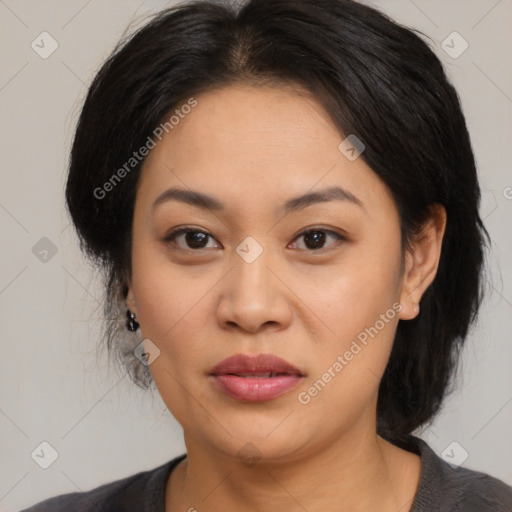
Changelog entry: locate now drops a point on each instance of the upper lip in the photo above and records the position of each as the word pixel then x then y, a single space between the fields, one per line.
pixel 261 363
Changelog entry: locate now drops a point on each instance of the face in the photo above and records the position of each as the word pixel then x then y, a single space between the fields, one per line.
pixel 316 283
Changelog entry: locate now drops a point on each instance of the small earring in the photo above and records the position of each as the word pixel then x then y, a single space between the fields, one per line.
pixel 131 324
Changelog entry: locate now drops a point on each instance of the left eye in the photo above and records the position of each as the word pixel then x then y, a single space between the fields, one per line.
pixel 315 238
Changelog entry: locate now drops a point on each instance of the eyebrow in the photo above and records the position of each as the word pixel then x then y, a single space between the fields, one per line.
pixel 204 201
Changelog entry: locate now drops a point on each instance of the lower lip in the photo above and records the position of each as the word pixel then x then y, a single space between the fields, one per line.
pixel 255 389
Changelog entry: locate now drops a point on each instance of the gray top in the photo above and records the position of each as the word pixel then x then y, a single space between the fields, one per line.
pixel 441 489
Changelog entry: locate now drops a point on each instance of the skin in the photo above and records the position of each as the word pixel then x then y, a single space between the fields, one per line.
pixel 253 148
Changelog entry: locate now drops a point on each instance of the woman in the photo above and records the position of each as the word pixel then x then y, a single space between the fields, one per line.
pixel 284 198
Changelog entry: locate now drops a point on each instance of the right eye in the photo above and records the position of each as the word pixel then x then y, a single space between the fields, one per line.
pixel 193 238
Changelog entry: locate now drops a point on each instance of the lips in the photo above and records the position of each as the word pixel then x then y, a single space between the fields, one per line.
pixel 261 365
pixel 255 378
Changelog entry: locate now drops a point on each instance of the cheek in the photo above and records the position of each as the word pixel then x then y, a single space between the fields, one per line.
pixel 352 294
pixel 356 307
pixel 347 366
pixel 173 309
pixel 171 298
pixel 360 317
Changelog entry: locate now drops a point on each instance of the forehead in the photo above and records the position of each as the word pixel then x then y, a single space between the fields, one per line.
pixel 248 144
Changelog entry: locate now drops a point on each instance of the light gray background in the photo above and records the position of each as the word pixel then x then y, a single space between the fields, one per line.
pixel 102 426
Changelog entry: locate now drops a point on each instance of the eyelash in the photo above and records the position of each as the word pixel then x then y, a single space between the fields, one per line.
pixel 170 238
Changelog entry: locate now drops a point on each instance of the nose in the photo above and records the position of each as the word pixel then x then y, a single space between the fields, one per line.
pixel 254 296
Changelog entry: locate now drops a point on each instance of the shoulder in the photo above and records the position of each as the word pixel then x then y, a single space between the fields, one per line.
pixel 478 492
pixel 445 488
pixel 139 492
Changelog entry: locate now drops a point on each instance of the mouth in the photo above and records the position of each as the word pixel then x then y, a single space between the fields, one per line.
pixel 255 378
pixel 258 375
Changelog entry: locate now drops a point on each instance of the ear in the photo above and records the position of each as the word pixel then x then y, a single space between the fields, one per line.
pixel 131 303
pixel 422 261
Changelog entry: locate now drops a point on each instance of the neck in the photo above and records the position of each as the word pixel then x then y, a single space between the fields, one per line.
pixel 357 471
